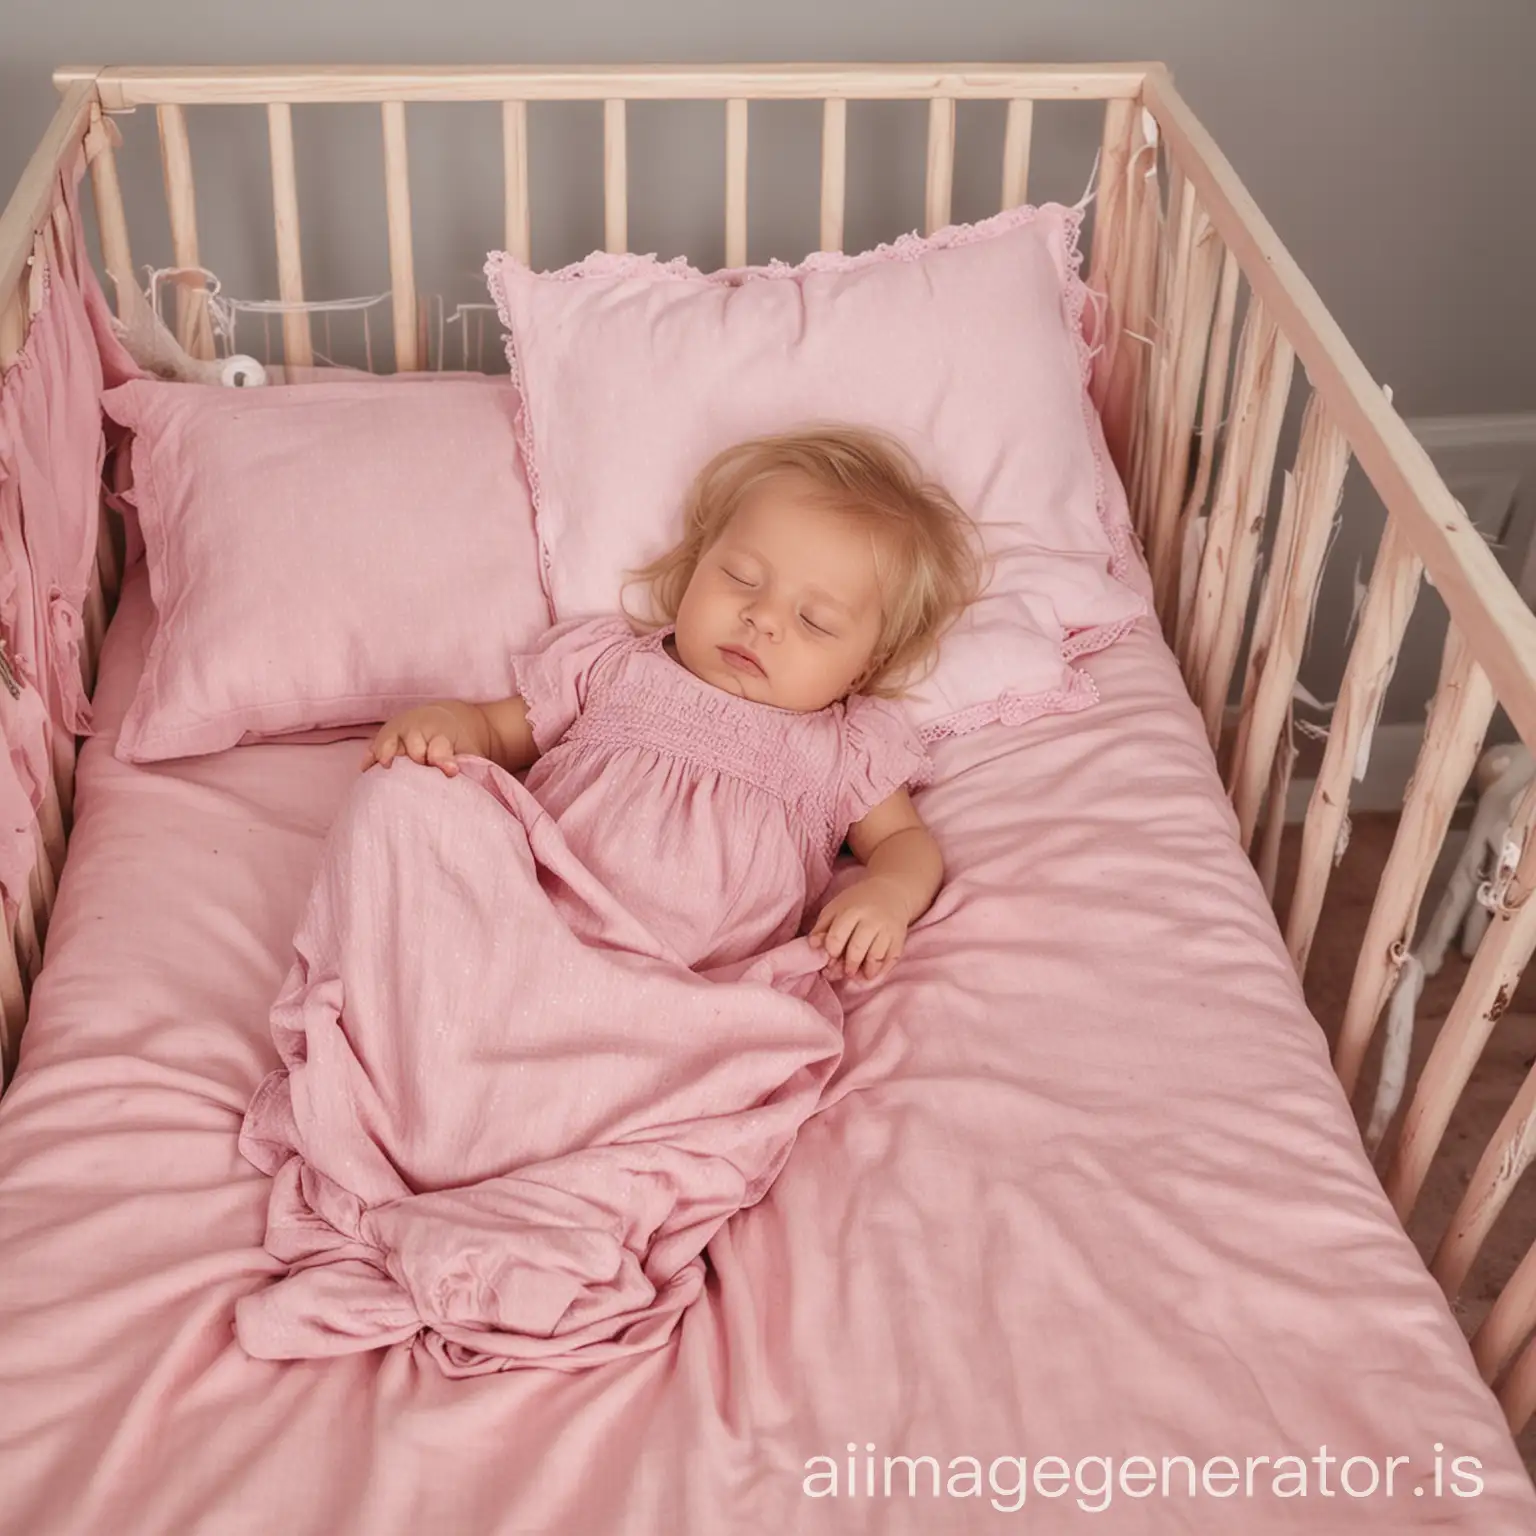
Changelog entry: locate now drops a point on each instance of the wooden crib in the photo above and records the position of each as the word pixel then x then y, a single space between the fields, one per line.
pixel 1193 406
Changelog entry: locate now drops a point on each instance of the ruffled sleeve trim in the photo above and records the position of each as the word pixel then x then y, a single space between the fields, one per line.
pixel 882 753
pixel 553 678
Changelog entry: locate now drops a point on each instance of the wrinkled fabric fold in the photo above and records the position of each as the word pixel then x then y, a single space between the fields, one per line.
pixel 508 1114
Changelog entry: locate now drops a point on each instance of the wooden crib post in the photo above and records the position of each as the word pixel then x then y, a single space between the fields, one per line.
pixel 1485 993
pixel 736 182
pixel 1177 368
pixel 1179 606
pixel 1308 514
pixel 1458 718
pixel 834 170
pixel 1125 402
pixel 1169 278
pixel 111 219
pixel 1111 232
pixel 615 179
pixel 1016 139
pixel 298 350
pixel 1268 861
pixel 1389 603
pixel 941 163
pixel 194 329
pixel 1238 512
pixel 1509 1320
pixel 1513 1146
pixel 518 234
pixel 402 260
pixel 1517 1397
pixel 13 325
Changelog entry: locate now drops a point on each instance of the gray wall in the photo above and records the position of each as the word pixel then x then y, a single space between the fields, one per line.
pixel 1389 142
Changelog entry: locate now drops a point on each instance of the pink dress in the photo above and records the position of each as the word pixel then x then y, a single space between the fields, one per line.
pixel 715 820
pixel 540 1040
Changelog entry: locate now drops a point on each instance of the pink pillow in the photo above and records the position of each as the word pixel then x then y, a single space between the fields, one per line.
pixel 324 554
pixel 967 345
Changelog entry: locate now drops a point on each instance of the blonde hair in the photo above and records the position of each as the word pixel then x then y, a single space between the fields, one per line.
pixel 927 553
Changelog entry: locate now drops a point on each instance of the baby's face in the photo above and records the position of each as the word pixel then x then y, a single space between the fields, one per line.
pixel 784 607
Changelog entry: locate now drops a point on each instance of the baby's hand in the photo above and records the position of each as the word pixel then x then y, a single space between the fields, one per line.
pixel 865 926
pixel 429 735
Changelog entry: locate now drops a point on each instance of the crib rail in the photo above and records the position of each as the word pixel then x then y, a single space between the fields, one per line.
pixel 1203 542
pixel 1214 346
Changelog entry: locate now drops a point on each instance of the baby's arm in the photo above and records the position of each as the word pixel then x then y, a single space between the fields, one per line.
pixel 436 733
pixel 866 924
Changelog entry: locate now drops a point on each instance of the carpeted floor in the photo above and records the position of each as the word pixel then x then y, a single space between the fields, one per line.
pixel 1510 1055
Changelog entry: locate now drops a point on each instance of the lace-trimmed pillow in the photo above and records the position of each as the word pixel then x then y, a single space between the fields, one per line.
pixel 967 345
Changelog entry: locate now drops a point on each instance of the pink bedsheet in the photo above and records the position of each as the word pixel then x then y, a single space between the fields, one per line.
pixel 1083 1186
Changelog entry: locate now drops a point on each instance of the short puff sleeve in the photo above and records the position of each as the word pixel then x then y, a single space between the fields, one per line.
pixel 552 679
pixel 882 753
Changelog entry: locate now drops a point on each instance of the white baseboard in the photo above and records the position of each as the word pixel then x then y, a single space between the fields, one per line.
pixel 1394 749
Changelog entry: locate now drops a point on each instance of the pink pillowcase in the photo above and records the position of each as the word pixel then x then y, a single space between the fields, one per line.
pixel 324 554
pixel 967 345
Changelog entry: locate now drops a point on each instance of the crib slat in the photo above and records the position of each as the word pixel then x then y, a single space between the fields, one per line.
pixel 402 259
pixel 1253 510
pixel 736 182
pixel 1458 719
pixel 1189 345
pixel 615 179
pixel 1169 280
pixel 193 329
pixel 834 170
pixel 1509 1320
pixel 1517 1396
pixel 1221 522
pixel 298 350
pixel 49 821
pixel 1482 1000
pixel 1178 610
pixel 1238 512
pixel 1268 862
pixel 941 162
pixel 514 156
pixel 13 325
pixel 1490 982
pixel 1177 365
pixel 1134 218
pixel 1389 603
pixel 13 1007
pixel 1285 613
pixel 29 944
pixel 111 219
pixel 1016 140
pixel 1171 285
pixel 1109 228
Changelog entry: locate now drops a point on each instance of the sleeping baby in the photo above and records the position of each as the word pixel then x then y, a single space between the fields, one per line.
pixel 540 1040
pixel 708 770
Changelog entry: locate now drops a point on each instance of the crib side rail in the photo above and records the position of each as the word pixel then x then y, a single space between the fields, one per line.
pixel 1197 442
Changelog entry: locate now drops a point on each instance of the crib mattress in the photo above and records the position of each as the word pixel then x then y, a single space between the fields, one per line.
pixel 1083 1188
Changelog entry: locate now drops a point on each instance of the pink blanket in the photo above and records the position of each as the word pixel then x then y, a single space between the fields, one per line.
pixel 507 1114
